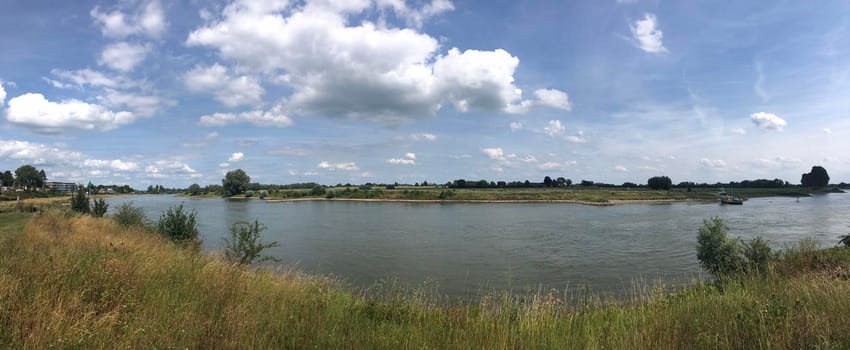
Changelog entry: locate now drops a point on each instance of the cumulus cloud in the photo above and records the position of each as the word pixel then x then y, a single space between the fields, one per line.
pixel 2 94
pixel 516 126
pixel 115 164
pixel 351 166
pixel 170 169
pixel 494 153
pixel 768 121
pixel 827 131
pixel 408 159
pixel 553 98
pixel 647 36
pixel 620 168
pixel 123 56
pixel 140 105
pixel 36 112
pixel 147 20
pixel 235 157
pixel 273 117
pixel 712 163
pixel 460 156
pixel 554 128
pixel 577 138
pixel 549 166
pixel 35 153
pixel 230 90
pixel 779 161
pixel 362 71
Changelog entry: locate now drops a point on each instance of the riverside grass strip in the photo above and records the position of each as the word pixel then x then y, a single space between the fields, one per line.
pixel 81 282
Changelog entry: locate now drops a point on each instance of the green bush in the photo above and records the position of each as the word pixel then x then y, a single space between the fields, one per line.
pixel 244 245
pixel 845 240
pixel 318 191
pixel 178 225
pixel 80 201
pixel 716 251
pixel 99 208
pixel 757 253
pixel 127 215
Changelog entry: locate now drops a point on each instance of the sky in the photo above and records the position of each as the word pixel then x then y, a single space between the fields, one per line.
pixel 145 92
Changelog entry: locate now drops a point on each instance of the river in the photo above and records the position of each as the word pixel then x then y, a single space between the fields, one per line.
pixel 467 249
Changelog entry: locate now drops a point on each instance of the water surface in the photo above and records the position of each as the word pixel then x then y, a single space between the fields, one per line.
pixel 465 247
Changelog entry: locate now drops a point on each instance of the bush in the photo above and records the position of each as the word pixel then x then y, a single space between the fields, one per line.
pixel 99 208
pixel 127 215
pixel 845 240
pixel 716 251
pixel 244 245
pixel 80 202
pixel 757 253
pixel 318 191
pixel 178 225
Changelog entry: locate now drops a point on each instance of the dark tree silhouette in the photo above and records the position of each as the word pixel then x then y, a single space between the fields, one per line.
pixel 815 178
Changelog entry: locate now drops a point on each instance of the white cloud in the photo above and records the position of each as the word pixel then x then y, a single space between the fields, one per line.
pixel 494 153
pixel 516 126
pixel 351 166
pixel 549 166
pixel 362 71
pixel 409 159
pixel 553 98
pixel 422 137
pixel 577 138
pixel 87 77
pixel 116 164
pixel 416 17
pixel 35 153
pixel 460 156
pixel 230 90
pixel 170 169
pixel 827 131
pixel 768 121
pixel 554 128
pixel 2 94
pixel 779 161
pixel 273 117
pixel 647 36
pixel 148 20
pixel 36 112
pixel 141 105
pixel 620 168
pixel 758 87
pixel 123 56
pixel 737 131
pixel 235 157
pixel 713 163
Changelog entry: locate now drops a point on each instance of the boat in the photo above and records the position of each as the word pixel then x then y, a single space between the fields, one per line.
pixel 726 198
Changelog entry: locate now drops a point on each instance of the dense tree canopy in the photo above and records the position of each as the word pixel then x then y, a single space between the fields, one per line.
pixel 6 178
pixel 818 177
pixel 235 182
pixel 29 177
pixel 659 183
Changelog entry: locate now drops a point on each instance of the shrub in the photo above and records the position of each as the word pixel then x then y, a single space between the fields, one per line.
pixel 317 191
pixel 99 208
pixel 80 202
pixel 716 251
pixel 127 215
pixel 845 240
pixel 244 245
pixel 178 225
pixel 758 253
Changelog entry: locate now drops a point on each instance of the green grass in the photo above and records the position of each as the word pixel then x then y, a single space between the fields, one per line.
pixel 82 282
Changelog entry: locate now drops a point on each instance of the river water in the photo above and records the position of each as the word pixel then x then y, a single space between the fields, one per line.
pixel 467 249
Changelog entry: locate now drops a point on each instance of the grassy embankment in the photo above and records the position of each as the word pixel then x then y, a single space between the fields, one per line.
pixel 83 282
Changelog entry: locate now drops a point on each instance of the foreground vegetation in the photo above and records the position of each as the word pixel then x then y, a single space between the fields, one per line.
pixel 74 281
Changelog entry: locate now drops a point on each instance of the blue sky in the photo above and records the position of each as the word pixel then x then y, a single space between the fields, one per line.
pixel 146 92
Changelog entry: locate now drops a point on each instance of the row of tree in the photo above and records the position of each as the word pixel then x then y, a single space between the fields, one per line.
pixel 26 176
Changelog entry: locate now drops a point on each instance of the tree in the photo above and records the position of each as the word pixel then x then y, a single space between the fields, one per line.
pixel 178 225
pixel 80 202
pixel 235 182
pixel 716 251
pixel 547 181
pixel 7 179
pixel 244 245
pixel 99 208
pixel 28 176
pixel 194 189
pixel 815 178
pixel 659 183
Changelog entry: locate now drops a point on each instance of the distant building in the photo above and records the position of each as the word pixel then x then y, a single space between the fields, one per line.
pixel 62 186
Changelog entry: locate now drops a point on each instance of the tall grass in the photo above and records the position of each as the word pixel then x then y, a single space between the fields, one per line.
pixel 84 282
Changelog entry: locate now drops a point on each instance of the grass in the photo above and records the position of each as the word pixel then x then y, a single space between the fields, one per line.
pixel 81 282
